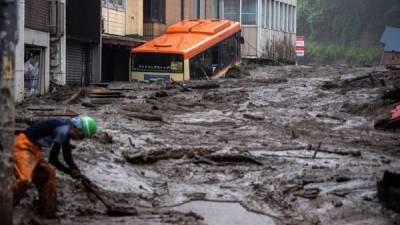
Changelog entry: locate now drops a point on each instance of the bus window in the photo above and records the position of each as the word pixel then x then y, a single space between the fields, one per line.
pixel 153 62
pixel 212 60
pixel 215 58
pixel 200 66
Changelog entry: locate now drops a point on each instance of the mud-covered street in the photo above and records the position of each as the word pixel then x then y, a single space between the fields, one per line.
pixel 285 145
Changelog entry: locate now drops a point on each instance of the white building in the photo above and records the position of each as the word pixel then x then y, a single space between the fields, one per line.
pixel 40 52
pixel 268 26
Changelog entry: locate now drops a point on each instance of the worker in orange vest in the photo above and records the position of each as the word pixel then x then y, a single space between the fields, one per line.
pixel 30 167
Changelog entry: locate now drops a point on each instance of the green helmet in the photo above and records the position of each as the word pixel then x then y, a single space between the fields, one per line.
pixel 88 126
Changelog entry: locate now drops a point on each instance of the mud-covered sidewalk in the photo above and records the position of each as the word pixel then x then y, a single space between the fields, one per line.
pixel 286 145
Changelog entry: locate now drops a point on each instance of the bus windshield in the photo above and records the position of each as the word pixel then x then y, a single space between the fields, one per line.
pixel 156 62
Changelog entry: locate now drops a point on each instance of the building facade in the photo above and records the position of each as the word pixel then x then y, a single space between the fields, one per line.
pixel 268 26
pixel 33 49
pixel 159 14
pixel 55 46
pixel 122 28
pixel 83 48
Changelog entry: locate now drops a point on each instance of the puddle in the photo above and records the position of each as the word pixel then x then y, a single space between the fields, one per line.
pixel 221 213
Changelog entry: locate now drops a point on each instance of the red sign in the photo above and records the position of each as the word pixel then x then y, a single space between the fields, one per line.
pixel 300 46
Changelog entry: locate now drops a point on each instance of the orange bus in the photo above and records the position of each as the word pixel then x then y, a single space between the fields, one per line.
pixel 189 50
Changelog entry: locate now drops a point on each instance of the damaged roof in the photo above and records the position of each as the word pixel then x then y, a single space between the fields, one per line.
pixel 391 39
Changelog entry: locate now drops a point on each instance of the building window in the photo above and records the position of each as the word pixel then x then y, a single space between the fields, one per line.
pixel 281 17
pixel 249 12
pixel 276 15
pixel 115 3
pixel 273 12
pixel 290 19
pixel 154 11
pixel 232 10
pixel 264 13
pixel 285 17
pixel 216 9
pixel 294 19
pixel 243 11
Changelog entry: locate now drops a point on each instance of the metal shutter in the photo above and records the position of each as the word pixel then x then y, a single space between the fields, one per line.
pixel 77 62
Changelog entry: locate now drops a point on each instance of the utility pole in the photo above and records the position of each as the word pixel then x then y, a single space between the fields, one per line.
pixel 8 42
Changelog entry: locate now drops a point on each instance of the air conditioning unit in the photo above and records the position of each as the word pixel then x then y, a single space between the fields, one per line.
pixel 57 18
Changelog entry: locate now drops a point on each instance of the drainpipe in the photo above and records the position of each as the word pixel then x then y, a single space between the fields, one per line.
pixel 9 39
pixel 182 9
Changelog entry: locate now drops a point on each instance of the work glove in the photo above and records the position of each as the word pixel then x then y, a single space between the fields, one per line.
pixel 76 174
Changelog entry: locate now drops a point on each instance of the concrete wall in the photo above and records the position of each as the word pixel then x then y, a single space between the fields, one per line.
pixel 19 54
pixel 277 45
pixel 172 11
pixel 134 17
pixel 41 39
pixel 58 56
pixel 114 21
pixel 276 41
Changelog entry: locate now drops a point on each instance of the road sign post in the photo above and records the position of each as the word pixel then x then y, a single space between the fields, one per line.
pixel 299 47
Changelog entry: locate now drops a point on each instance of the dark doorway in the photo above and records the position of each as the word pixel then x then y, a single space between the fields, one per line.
pixel 78 63
pixel 115 63
pixel 34 70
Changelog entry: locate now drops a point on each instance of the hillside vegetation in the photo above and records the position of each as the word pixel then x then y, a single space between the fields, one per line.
pixel 342 31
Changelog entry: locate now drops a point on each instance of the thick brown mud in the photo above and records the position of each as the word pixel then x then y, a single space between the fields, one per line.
pixel 286 145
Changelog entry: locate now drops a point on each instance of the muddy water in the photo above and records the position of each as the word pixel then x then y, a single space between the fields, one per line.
pixel 220 213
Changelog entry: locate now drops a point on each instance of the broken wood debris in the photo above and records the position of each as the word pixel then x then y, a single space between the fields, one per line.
pixel 148 157
pixel 331 117
pixel 204 160
pixel 184 88
pixel 101 96
pixel 112 208
pixel 351 153
pixel 207 156
pixel 88 104
pixel 131 142
pixel 145 116
pixel 74 98
pixel 229 158
pixel 253 117
pixel 358 78
pixel 41 109
pixel 317 150
pixel 311 193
